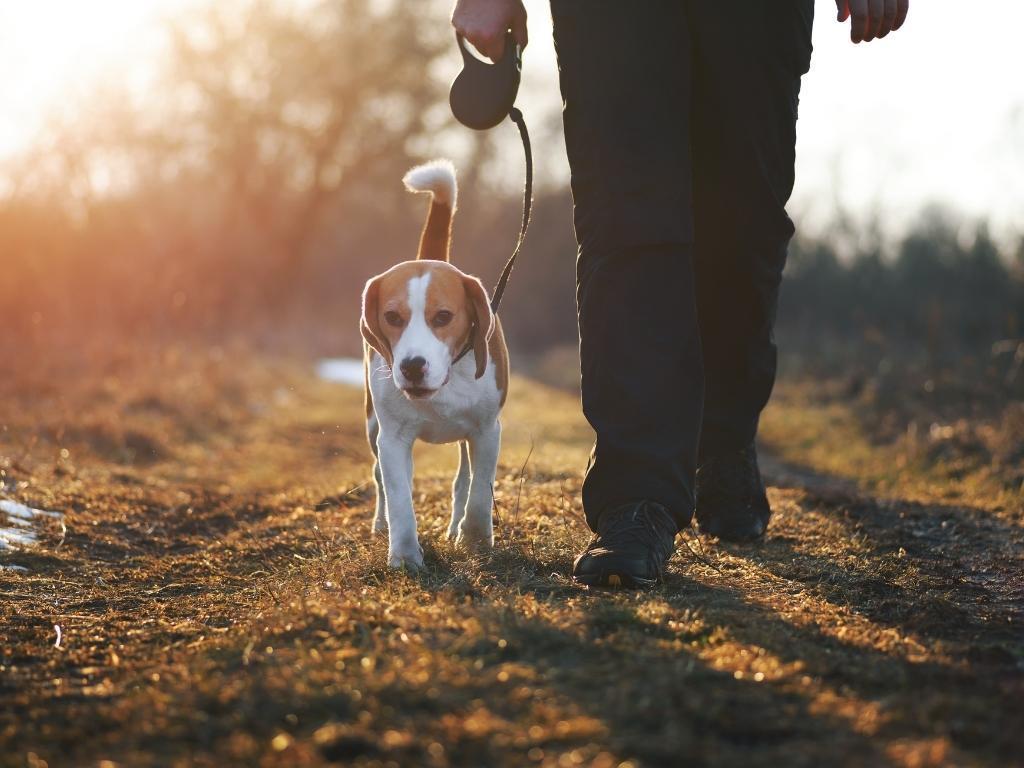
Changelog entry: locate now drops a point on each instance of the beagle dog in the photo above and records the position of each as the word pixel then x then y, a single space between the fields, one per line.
pixel 436 370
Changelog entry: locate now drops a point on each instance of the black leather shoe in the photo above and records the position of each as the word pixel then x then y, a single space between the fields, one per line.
pixel 630 549
pixel 731 500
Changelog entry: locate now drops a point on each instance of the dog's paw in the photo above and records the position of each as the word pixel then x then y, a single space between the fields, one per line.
pixel 409 558
pixel 474 540
pixel 453 532
pixel 380 525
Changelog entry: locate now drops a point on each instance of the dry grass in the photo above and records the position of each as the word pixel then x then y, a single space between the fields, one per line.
pixel 221 600
pixel 962 445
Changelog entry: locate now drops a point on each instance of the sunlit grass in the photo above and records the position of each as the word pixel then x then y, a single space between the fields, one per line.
pixel 224 601
pixel 930 461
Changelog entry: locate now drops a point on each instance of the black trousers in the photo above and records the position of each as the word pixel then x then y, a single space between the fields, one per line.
pixel 680 124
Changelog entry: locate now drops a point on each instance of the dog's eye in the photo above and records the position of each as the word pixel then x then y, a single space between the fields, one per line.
pixel 393 319
pixel 442 318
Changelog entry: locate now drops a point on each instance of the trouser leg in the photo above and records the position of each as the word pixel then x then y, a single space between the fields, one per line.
pixel 625 79
pixel 748 58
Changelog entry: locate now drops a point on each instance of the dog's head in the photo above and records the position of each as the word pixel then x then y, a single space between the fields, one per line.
pixel 419 315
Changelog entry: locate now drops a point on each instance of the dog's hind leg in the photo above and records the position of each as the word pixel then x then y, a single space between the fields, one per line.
pixel 380 517
pixel 460 491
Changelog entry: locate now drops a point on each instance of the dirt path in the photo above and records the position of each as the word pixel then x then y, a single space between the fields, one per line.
pixel 220 601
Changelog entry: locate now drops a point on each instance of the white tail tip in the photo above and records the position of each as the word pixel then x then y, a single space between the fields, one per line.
pixel 436 177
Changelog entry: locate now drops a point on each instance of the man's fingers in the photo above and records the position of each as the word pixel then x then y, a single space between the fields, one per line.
pixel 888 19
pixel 492 46
pixel 487 43
pixel 872 19
pixel 485 24
pixel 859 19
pixel 876 10
pixel 901 13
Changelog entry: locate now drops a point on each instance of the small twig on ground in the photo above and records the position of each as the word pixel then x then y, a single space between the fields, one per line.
pixel 522 480
pixel 327 501
pixel 497 515
pixel 567 511
pixel 355 488
pixel 321 543
pixel 702 556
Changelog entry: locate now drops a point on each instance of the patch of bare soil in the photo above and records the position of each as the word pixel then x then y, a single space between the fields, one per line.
pixel 220 600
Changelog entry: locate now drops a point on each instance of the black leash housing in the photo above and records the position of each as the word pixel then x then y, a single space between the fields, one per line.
pixel 483 94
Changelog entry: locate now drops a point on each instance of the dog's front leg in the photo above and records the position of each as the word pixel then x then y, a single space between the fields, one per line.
pixel 477 527
pixel 395 457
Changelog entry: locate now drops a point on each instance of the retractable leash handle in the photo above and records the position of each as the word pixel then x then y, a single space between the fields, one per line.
pixel 482 95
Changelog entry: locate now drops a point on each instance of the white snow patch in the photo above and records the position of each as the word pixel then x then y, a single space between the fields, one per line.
pixel 18 528
pixel 342 370
pixel 12 538
pixel 14 509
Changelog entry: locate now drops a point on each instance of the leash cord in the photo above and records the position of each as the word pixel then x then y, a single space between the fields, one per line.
pixel 506 272
pixel 524 134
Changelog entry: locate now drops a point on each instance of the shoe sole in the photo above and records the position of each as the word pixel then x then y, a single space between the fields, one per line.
pixel 615 581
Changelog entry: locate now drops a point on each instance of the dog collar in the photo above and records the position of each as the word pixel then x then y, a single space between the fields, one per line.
pixel 468 346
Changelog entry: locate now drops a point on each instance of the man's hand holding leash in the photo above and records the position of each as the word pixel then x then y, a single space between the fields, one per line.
pixel 485 24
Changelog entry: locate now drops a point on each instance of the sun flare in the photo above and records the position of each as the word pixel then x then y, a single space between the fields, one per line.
pixel 54 51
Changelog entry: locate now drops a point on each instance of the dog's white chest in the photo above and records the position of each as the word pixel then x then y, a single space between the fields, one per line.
pixel 463 406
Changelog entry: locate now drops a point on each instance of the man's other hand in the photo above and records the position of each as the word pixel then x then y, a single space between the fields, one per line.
pixel 484 24
pixel 871 19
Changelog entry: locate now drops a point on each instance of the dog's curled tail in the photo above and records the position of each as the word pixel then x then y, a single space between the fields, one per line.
pixel 438 178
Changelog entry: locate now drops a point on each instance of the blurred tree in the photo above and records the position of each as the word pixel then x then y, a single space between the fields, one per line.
pixel 276 134
pixel 291 113
pixel 256 187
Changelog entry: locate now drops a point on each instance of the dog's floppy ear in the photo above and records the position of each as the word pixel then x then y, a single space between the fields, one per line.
pixel 369 324
pixel 484 321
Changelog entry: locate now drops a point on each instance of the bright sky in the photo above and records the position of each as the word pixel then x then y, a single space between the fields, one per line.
pixel 53 52
pixel 934 113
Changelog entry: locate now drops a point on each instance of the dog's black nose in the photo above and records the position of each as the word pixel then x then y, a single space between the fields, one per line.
pixel 413 368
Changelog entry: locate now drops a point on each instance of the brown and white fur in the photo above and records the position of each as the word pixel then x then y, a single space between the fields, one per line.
pixel 417 317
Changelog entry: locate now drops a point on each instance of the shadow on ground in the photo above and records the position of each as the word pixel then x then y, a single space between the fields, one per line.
pixel 246 616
